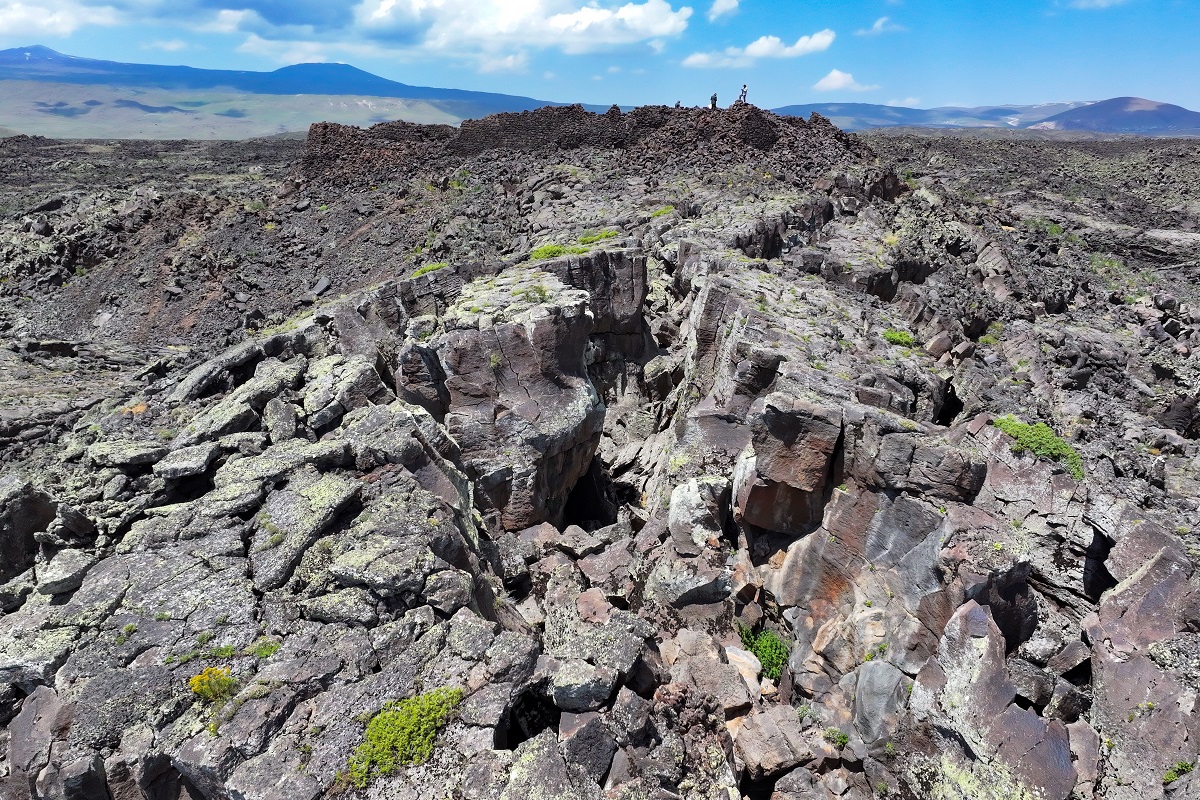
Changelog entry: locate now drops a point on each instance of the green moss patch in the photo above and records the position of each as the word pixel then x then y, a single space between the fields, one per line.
pixel 902 338
pixel 1041 440
pixel 592 238
pixel 554 251
pixel 428 268
pixel 402 734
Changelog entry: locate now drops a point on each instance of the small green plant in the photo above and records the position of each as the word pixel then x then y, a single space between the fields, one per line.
pixel 494 361
pixel 1048 227
pixel 224 651
pixel 1176 772
pixel 254 206
pixel 599 236
pixel 889 750
pixel 836 737
pixel 662 212
pixel 554 251
pixel 403 733
pixel 126 632
pixel 771 651
pixel 428 268
pixel 538 293
pixel 204 637
pixel 901 338
pixel 213 684
pixel 1042 441
pixel 263 648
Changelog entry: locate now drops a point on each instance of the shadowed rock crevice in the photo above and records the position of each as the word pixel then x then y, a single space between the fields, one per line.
pixel 666 437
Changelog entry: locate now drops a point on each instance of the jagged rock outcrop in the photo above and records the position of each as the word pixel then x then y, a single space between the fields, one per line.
pixel 695 449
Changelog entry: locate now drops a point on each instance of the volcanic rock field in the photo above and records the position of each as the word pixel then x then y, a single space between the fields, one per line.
pixel 667 454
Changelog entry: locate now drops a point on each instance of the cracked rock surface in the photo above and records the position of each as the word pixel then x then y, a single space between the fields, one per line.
pixel 677 440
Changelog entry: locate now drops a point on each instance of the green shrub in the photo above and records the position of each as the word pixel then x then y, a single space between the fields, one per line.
pixel 428 268
pixel 1176 772
pixel 214 684
pixel 223 651
pixel 592 238
pixel 538 293
pixel 554 251
pixel 1042 441
pixel 836 737
pixel 403 733
pixel 662 212
pixel 902 338
pixel 771 651
pixel 1048 227
pixel 988 339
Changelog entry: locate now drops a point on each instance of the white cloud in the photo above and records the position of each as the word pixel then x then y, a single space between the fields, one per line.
pixel 514 62
pixel 882 25
pixel 227 21
pixel 284 52
pixel 52 18
pixel 762 47
pixel 491 34
pixel 837 80
pixel 451 26
pixel 721 8
pixel 169 45
pixel 906 102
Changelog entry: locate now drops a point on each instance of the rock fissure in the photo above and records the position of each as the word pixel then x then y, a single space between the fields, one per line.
pixel 565 486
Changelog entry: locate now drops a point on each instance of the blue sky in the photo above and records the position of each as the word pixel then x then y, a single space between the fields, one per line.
pixel 913 52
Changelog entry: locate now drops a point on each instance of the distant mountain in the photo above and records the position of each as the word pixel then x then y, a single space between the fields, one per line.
pixel 1125 115
pixel 228 102
pixel 864 116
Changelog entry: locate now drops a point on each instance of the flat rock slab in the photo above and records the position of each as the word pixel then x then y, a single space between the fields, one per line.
pixel 125 454
pixel 65 572
pixel 188 461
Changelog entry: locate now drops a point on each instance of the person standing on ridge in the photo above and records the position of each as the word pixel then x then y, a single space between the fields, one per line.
pixel 713 102
pixel 742 96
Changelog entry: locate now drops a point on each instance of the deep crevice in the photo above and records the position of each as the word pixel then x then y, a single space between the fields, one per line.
pixel 1096 577
pixel 531 714
pixel 762 789
pixel 950 407
pixel 593 503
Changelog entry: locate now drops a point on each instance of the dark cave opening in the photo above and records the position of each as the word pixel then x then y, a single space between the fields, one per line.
pixel 592 504
pixel 1096 577
pixel 951 407
pixel 1080 675
pixel 190 488
pixel 529 716
pixel 761 789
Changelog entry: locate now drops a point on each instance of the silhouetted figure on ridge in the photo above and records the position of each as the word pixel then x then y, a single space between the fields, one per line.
pixel 713 101
pixel 742 97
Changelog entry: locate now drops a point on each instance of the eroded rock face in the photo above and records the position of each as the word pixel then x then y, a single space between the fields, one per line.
pixel 703 500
